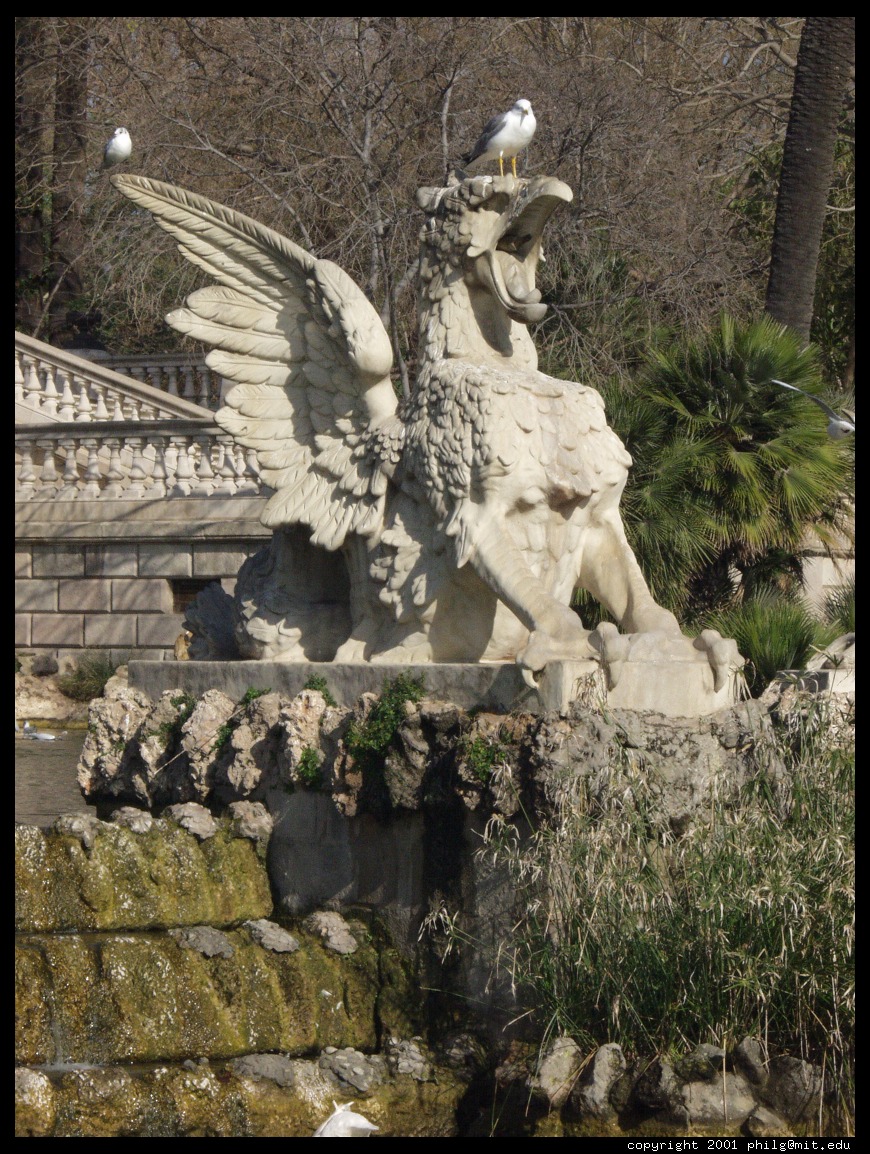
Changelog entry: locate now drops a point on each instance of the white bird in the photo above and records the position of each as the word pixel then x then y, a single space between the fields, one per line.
pixel 118 148
pixel 505 136
pixel 344 1123
pixel 838 426
pixel 42 735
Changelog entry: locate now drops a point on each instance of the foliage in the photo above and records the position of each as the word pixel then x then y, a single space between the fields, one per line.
pixel 774 634
pixel 252 694
pixel 840 607
pixel 308 770
pixel 185 704
pixel 730 470
pixel 481 755
pixel 319 685
pixel 88 679
pixel 225 731
pixel 368 741
pixel 742 925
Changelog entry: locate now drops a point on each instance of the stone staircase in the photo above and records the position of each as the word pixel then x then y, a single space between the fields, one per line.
pixel 129 500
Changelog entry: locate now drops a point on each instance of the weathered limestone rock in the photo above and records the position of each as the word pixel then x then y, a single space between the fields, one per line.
pixel 201 736
pixel 705 1063
pixel 354 1072
pixel 39 699
pixel 726 1099
pixel 557 1071
pixel 194 818
pixel 591 1095
pixel 271 936
pixel 749 1060
pixel 334 931
pixel 276 1067
pixel 35 1108
pixel 793 1088
pixel 765 1123
pixel 206 940
pixel 408 1056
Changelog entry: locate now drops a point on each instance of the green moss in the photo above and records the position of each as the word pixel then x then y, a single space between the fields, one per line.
pixel 481 755
pixel 308 770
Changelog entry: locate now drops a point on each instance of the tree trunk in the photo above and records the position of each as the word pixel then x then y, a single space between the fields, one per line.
pixel 70 161
pixel 35 81
pixel 826 56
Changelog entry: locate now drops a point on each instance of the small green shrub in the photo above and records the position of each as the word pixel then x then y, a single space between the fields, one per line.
pixel 318 684
pixel 481 755
pixel 773 633
pixel 170 731
pixel 88 679
pixel 308 770
pixel 840 607
pixel 252 694
pixel 368 742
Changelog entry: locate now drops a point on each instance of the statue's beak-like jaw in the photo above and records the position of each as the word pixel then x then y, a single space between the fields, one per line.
pixel 508 262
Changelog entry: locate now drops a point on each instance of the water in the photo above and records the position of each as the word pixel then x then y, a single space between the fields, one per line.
pixel 45 778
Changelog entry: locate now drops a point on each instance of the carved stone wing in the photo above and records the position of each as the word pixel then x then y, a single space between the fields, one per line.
pixel 309 353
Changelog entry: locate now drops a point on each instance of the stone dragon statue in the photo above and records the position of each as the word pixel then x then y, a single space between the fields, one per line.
pixel 468 514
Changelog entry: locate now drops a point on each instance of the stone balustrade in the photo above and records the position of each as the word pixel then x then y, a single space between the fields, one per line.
pixel 117 460
pixel 173 373
pixel 56 386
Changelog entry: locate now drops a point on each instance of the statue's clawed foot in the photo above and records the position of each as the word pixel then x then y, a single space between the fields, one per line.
pixel 543 647
pixel 613 648
pixel 722 653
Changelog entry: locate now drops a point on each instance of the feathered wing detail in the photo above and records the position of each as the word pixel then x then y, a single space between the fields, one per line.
pixel 309 353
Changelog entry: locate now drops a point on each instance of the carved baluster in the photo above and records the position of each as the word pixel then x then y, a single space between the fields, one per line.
pixel 25 485
pixel 247 484
pixel 158 471
pixel 138 373
pixel 205 481
pixel 50 393
pixel 225 481
pixel 91 488
pixel 131 409
pixel 83 404
pixel 19 378
pixel 181 485
pixel 138 470
pixel 67 409
pixel 50 478
pixel 147 412
pixel 32 385
pixel 172 380
pixel 117 411
pixel 115 474
pixel 189 376
pixel 101 413
pixel 69 489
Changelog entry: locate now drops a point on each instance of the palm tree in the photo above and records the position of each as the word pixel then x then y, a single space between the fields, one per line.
pixel 730 470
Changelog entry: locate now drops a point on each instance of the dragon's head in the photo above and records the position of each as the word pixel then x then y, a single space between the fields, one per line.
pixel 490 229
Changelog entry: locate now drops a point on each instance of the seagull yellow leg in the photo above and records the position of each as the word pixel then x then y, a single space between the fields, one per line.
pixel 501 163
pixel 514 165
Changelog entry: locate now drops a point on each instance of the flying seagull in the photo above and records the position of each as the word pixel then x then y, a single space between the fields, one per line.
pixel 505 136
pixel 838 427
pixel 118 148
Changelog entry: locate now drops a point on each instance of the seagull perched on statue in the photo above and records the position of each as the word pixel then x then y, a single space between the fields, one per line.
pixel 838 426
pixel 505 136
pixel 118 148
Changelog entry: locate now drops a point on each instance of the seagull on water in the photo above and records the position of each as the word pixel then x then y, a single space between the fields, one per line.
pixel 838 426
pixel 118 148
pixel 505 136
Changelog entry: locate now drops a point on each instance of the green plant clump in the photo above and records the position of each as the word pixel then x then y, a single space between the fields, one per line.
pixel 318 684
pixel 481 755
pixel 308 769
pixel 369 741
pixel 252 694
pixel 170 731
pixel 88 679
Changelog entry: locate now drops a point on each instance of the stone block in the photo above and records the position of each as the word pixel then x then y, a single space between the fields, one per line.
pixel 57 629
pixel 34 596
pixel 86 595
pixel 119 560
pixel 58 561
pixel 23 559
pixel 162 630
pixel 217 559
pixel 165 560
pixel 142 595
pixel 22 629
pixel 104 629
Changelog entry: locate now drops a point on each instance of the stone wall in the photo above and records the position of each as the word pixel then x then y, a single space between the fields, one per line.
pixel 92 578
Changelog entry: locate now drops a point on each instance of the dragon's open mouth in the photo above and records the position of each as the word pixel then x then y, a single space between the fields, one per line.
pixel 508 265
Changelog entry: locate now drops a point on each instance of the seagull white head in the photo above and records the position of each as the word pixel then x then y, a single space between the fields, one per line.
pixel 118 148
pixel 838 426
